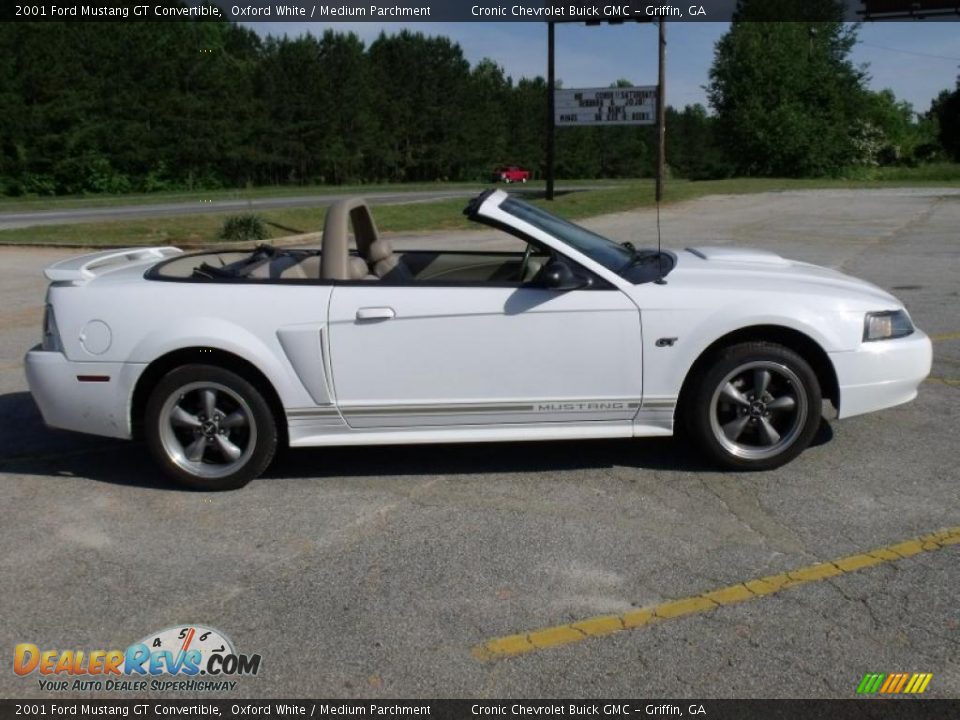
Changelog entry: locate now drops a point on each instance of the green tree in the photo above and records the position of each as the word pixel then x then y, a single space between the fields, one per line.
pixel 786 96
pixel 692 149
pixel 946 110
pixel 487 134
pixel 895 132
pixel 527 110
pixel 347 115
pixel 422 84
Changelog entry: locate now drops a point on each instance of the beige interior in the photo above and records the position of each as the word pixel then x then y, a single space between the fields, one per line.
pixel 373 260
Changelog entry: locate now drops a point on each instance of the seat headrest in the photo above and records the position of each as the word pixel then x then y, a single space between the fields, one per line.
pixel 379 250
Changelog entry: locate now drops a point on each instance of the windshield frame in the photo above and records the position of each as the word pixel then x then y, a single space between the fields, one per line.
pixel 598 248
pixel 635 265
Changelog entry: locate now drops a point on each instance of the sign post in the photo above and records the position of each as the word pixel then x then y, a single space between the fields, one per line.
pixel 661 108
pixel 551 127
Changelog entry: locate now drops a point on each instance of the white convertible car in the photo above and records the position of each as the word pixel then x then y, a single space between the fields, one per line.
pixel 216 357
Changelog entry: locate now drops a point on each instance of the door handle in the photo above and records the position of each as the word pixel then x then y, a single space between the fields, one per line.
pixel 375 313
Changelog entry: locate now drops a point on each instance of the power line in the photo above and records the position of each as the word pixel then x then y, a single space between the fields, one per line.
pixel 909 52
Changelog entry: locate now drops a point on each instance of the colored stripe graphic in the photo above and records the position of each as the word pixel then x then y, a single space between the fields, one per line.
pixel 894 683
pixel 870 683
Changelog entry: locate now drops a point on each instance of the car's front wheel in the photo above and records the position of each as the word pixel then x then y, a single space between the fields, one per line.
pixel 209 428
pixel 756 407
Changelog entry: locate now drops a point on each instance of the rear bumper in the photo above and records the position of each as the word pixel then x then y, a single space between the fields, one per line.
pixel 882 374
pixel 88 397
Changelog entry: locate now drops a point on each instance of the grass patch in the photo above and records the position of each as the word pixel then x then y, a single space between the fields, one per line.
pixel 197 230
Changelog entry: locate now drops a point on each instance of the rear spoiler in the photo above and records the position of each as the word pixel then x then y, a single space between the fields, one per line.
pixel 85 267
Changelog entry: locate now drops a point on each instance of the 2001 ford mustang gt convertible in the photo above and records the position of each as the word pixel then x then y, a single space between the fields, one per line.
pixel 216 357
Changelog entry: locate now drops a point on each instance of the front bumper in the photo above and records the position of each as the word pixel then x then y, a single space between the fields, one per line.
pixel 69 399
pixel 882 374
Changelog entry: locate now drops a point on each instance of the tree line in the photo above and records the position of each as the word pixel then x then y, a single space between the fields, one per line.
pixel 122 107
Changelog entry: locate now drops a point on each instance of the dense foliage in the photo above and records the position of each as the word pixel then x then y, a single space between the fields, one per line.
pixel 946 114
pixel 789 102
pixel 119 107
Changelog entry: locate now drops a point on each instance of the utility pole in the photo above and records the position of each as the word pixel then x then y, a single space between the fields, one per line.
pixel 661 109
pixel 551 129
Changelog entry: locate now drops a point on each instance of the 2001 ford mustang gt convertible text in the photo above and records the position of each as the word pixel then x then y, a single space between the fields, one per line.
pixel 217 357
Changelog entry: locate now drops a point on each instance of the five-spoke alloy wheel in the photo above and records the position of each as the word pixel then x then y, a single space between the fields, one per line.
pixel 756 407
pixel 210 428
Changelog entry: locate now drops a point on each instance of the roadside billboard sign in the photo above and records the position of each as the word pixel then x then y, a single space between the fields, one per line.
pixel 606 106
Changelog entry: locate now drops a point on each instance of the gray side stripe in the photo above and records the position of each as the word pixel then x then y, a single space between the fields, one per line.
pixel 313 412
pixel 545 406
pixel 434 409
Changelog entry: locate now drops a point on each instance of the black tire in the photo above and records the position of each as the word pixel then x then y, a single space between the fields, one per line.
pixel 200 456
pixel 739 430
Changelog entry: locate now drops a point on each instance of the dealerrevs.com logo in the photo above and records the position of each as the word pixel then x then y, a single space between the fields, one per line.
pixel 196 657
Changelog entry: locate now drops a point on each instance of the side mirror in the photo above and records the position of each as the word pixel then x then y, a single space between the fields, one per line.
pixel 558 275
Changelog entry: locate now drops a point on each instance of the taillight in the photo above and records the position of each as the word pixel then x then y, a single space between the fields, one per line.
pixel 51 336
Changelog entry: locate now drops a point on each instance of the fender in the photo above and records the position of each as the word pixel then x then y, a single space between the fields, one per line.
pixel 232 338
pixel 666 367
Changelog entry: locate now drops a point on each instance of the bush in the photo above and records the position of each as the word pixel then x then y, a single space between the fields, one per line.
pixel 927 173
pixel 239 228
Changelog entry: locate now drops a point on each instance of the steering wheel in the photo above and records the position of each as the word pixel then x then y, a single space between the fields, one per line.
pixel 526 261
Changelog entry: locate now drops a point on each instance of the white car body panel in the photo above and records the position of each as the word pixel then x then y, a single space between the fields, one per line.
pixel 458 363
pixel 493 355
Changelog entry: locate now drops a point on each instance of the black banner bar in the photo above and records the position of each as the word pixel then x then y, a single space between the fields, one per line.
pixel 581 11
pixel 866 709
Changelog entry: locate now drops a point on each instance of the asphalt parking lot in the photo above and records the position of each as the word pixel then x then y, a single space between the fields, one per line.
pixel 393 572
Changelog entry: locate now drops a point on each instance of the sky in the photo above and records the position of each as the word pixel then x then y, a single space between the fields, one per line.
pixel 915 59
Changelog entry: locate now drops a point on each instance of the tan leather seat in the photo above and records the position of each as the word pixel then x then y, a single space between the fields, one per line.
pixel 336 261
pixel 385 262
pixel 358 269
pixel 289 267
pixel 310 267
pixel 284 266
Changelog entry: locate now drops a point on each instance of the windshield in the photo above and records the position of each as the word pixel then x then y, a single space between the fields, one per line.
pixel 636 266
pixel 604 251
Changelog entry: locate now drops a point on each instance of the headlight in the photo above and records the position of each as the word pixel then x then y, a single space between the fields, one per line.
pixel 51 336
pixel 886 325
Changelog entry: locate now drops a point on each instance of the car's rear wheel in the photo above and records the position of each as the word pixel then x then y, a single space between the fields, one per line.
pixel 209 428
pixel 756 407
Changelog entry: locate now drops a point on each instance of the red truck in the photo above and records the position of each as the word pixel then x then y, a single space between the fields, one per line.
pixel 510 174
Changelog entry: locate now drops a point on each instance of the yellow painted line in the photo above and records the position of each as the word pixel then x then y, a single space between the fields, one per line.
pixel 945 336
pixel 601 625
pixel 952 382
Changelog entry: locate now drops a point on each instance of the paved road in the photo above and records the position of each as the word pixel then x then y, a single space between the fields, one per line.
pixel 11 220
pixel 376 571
